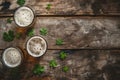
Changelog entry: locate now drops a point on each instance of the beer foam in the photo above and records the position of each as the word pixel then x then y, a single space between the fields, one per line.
pixel 24 16
pixel 12 57
pixel 36 46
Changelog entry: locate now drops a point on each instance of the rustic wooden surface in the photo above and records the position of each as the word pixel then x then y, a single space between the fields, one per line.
pixel 76 32
pixel 65 7
pixel 82 63
pixel 90 30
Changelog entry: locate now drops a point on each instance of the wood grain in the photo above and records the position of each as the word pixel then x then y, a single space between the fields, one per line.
pixel 80 62
pixel 76 33
pixel 64 7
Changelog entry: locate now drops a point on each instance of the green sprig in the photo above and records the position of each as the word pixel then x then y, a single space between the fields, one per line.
pixel 21 2
pixel 8 36
pixel 48 6
pixel 43 31
pixel 62 55
pixel 59 42
pixel 65 69
pixel 38 69
pixel 30 32
pixel 53 63
pixel 9 20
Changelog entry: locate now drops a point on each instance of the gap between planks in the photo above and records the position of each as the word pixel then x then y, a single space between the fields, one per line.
pixel 79 49
pixel 82 16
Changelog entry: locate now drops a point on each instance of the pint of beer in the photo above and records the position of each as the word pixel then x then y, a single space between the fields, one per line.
pixel 24 18
pixel 36 46
pixel 12 57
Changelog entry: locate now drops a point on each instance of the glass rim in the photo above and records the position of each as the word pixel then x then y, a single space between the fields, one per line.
pixel 21 53
pixel 34 16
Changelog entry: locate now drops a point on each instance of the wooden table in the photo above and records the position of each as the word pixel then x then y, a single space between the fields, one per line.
pixel 90 30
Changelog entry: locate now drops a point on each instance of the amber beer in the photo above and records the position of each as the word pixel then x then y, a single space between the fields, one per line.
pixel 24 18
pixel 12 57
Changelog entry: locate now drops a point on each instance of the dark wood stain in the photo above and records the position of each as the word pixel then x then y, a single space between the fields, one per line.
pixel 5 5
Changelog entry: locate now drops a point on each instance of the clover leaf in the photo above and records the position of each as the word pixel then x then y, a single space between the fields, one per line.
pixel 65 69
pixel 30 32
pixel 53 63
pixel 38 69
pixel 21 2
pixel 59 42
pixel 9 20
pixel 43 31
pixel 62 55
pixel 48 6
pixel 8 36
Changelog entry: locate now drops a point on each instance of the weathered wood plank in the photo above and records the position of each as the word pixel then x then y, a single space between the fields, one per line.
pixel 65 7
pixel 90 64
pixel 77 33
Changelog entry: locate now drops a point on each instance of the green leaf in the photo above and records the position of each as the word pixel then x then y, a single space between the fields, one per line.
pixel 21 2
pixel 38 69
pixel 8 36
pixel 11 33
pixel 65 69
pixel 62 55
pixel 53 63
pixel 9 20
pixel 30 32
pixel 59 42
pixel 48 6
pixel 43 31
